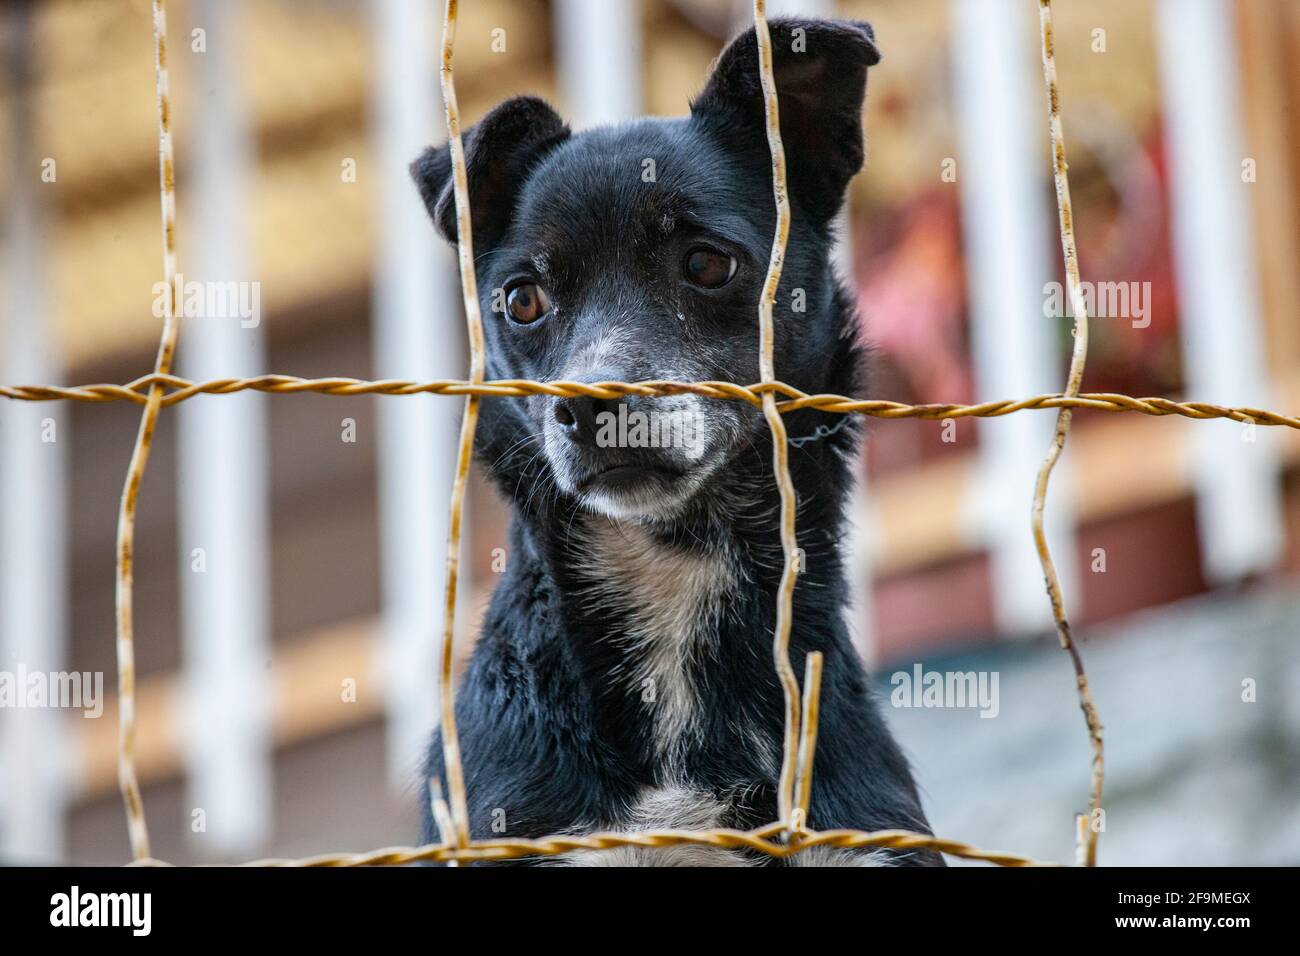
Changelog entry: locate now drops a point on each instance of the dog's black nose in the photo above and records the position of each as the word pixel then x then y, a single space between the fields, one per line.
pixel 579 416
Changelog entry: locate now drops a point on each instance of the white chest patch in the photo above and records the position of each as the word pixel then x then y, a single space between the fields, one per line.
pixel 663 604
pixel 668 808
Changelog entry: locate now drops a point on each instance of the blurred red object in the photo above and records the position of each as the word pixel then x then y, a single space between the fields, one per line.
pixel 911 282
pixel 912 296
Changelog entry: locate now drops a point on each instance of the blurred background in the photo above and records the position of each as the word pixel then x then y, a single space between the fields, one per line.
pixel 290 549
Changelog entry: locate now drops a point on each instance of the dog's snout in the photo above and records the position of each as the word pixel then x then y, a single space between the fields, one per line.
pixel 580 416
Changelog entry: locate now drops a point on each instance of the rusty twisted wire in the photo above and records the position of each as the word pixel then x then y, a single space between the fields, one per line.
pixel 788 835
pixel 455 780
pixel 1064 417
pixel 128 780
pixel 789 814
pixel 760 840
pixel 181 389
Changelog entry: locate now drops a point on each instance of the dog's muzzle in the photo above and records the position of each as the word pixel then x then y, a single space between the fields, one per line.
pixel 633 455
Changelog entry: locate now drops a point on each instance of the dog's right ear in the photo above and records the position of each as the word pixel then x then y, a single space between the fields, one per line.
pixel 500 150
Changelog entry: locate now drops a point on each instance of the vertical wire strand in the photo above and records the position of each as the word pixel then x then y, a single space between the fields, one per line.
pixel 780 449
pixel 1078 359
pixel 812 685
pixel 127 778
pixel 474 322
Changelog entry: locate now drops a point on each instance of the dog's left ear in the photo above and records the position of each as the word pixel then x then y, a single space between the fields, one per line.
pixel 820 68
pixel 499 152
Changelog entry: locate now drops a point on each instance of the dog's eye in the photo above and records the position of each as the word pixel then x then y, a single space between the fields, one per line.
pixel 527 303
pixel 708 268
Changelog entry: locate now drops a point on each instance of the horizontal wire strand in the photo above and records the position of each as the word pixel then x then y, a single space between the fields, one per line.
pixel 760 840
pixel 182 389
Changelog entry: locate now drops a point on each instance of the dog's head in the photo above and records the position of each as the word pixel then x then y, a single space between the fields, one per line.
pixel 639 251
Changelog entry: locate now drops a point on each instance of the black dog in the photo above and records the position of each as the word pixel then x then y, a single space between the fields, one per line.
pixel 623 678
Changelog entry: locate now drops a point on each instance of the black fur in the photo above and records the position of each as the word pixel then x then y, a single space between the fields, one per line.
pixel 553 734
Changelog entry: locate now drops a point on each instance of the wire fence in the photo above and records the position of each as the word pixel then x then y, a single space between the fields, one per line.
pixel 789 835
